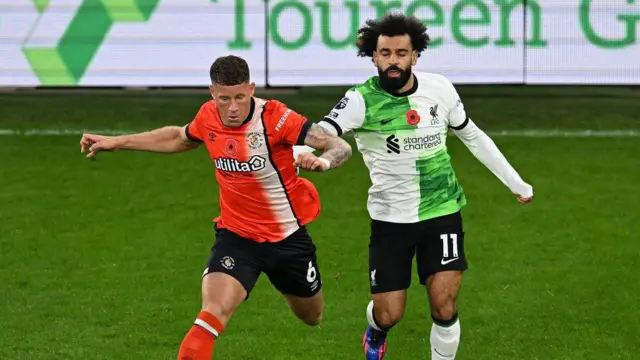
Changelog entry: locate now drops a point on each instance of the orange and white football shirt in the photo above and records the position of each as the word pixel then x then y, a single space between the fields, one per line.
pixel 261 196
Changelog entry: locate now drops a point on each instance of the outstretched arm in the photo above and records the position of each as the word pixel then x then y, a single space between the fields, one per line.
pixel 482 147
pixel 168 139
pixel 485 150
pixel 335 151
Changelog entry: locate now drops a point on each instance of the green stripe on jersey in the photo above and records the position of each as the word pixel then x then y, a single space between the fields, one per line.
pixel 440 192
pixel 384 112
pixel 408 164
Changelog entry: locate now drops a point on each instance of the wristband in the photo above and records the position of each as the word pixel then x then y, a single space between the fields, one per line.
pixel 327 162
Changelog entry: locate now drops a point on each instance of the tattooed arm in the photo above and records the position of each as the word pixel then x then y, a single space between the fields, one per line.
pixel 335 151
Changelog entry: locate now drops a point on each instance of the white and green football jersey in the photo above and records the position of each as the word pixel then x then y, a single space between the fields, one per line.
pixel 403 143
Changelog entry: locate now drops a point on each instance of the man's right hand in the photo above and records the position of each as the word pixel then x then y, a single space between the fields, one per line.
pixel 97 143
pixel 527 195
pixel 309 161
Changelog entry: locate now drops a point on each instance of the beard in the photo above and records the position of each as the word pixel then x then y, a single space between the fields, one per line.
pixel 393 84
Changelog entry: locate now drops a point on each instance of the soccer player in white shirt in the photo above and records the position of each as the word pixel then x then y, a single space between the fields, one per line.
pixel 400 119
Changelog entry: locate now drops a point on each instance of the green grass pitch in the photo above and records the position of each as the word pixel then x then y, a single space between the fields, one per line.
pixel 102 259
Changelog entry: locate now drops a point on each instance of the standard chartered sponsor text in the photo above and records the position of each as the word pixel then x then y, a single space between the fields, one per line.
pixel 422 142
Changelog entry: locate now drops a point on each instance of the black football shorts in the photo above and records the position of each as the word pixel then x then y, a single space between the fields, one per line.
pixel 290 264
pixel 438 245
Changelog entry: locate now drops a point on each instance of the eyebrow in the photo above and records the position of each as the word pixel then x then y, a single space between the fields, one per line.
pixel 398 50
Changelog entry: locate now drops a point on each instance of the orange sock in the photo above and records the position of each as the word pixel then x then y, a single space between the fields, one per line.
pixel 198 343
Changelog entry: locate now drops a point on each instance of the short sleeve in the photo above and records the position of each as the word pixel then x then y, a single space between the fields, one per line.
pixel 193 128
pixel 348 114
pixel 288 126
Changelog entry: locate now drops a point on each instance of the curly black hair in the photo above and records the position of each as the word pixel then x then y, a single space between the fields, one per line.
pixel 392 24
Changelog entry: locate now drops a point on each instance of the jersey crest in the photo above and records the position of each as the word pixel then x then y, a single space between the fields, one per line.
pixel 433 111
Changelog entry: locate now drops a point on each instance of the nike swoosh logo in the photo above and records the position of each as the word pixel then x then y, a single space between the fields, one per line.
pixel 444 356
pixel 384 122
pixel 445 262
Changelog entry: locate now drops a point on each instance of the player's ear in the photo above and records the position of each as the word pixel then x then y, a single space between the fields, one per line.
pixel 374 58
pixel 212 92
pixel 252 88
pixel 414 57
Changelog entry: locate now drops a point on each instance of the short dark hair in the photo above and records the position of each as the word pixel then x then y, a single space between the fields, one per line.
pixel 229 70
pixel 392 24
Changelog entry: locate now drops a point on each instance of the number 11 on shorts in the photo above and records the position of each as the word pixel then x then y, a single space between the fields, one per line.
pixel 445 244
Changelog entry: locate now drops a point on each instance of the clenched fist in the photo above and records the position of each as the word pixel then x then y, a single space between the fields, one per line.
pixel 310 162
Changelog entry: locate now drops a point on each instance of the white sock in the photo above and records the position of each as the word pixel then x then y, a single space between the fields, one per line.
pixel 444 341
pixel 371 317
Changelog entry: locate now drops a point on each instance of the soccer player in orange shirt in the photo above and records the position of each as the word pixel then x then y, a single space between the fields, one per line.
pixel 264 204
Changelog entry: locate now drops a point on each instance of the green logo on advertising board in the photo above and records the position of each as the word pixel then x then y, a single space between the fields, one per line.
pixel 62 58
pixel 462 26
pixel 630 21
pixel 66 62
pixel 466 30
